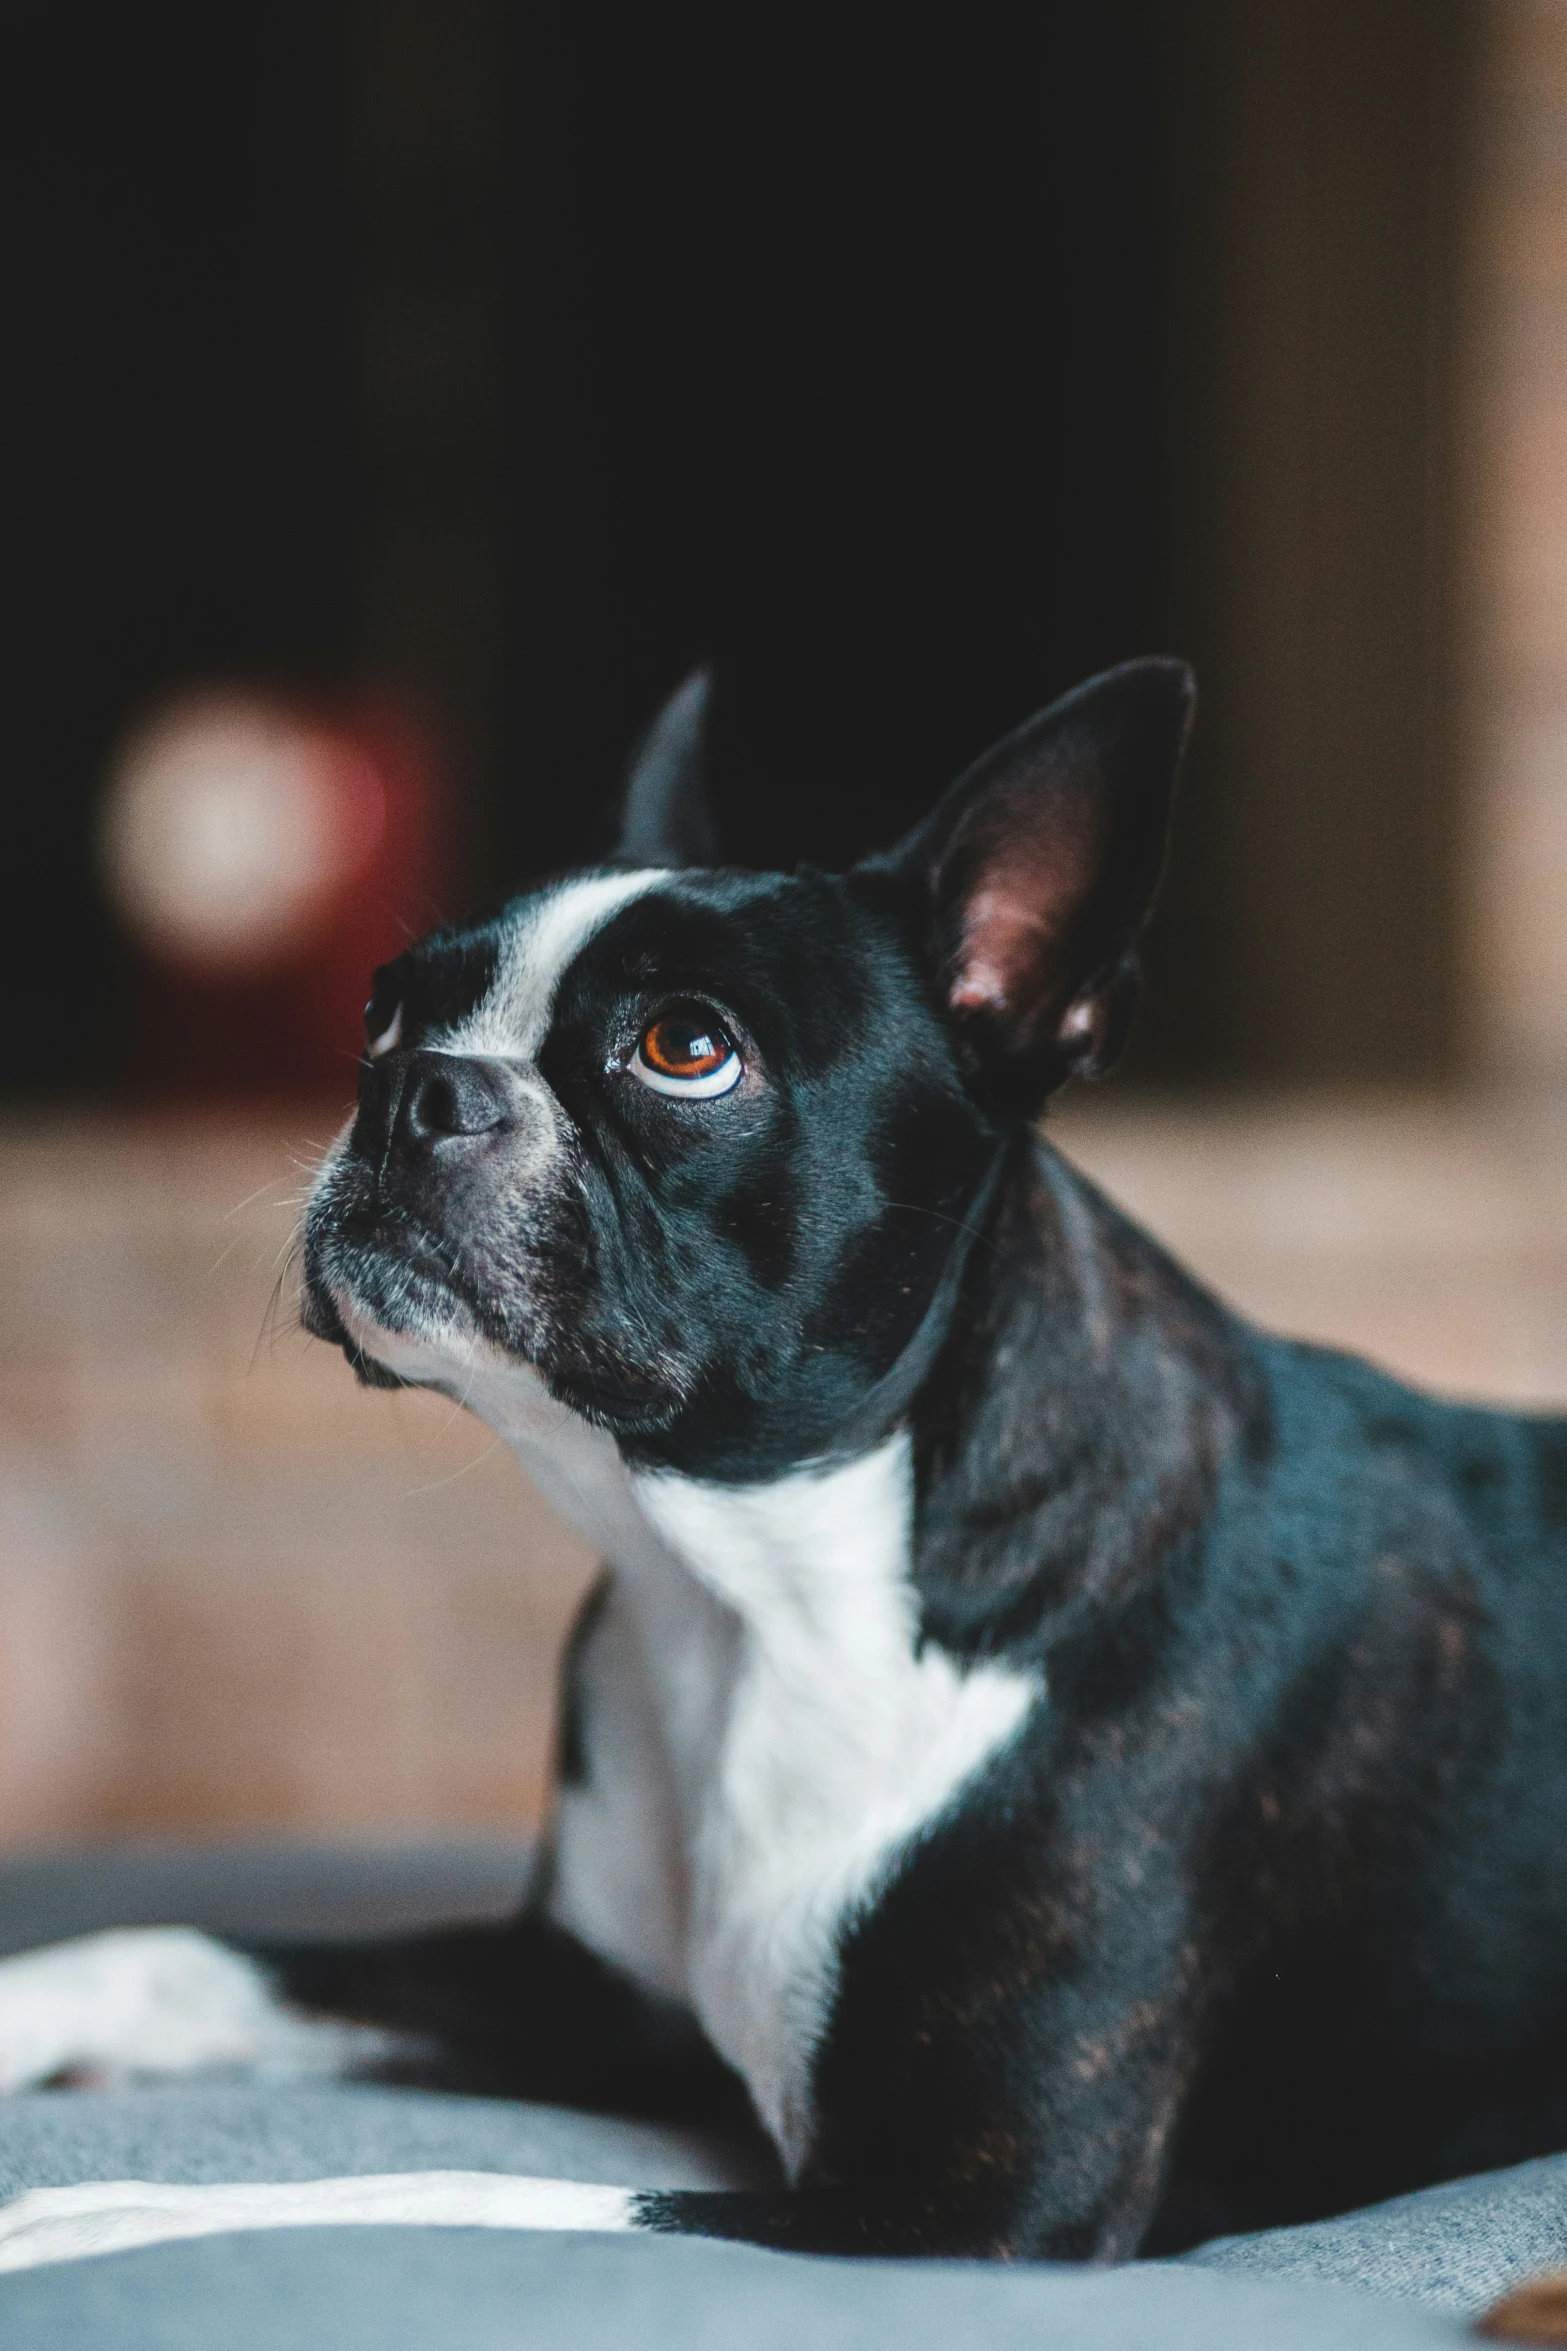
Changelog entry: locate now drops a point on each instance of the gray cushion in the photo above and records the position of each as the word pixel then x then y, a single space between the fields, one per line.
pixel 1456 2247
pixel 375 2289
pixel 225 2130
pixel 1391 2276
pixel 261 1888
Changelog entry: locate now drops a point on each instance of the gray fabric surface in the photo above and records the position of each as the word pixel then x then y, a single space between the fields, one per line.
pixel 1457 2247
pixel 1417 2263
pixel 260 1889
pixel 217 2130
pixel 473 2290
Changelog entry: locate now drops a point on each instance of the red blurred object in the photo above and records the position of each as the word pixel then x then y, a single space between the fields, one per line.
pixel 264 856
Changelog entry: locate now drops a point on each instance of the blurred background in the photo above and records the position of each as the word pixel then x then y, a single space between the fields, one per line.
pixel 411 393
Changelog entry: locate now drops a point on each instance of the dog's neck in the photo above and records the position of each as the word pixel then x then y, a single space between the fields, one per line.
pixel 1072 1430
pixel 1058 1421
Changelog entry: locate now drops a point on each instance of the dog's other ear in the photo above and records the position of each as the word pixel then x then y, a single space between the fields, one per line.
pixel 1038 872
pixel 664 818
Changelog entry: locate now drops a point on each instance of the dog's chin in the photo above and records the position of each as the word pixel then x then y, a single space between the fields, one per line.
pixel 422 1347
pixel 447 1354
pixel 397 1333
pixel 318 1314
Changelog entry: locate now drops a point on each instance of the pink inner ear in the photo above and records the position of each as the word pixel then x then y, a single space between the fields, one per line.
pixel 1019 913
pixel 1011 935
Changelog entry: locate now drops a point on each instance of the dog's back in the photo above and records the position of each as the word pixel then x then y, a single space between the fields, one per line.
pixel 1372 1631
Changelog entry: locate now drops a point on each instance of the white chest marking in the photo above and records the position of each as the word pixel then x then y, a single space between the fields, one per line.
pixel 832 1744
pixel 764 1738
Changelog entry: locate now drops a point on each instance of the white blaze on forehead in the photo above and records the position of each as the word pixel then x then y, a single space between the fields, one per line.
pixel 514 1017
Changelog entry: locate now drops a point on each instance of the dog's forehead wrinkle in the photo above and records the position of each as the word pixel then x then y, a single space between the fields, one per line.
pixel 538 943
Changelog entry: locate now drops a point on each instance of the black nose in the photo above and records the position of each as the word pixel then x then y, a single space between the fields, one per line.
pixel 416 1101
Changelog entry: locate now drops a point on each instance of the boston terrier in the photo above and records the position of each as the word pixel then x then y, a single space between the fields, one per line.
pixel 1083 1773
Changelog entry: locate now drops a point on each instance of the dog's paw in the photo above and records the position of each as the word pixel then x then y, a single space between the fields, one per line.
pixel 156 2000
pixel 110 2216
pixel 104 2216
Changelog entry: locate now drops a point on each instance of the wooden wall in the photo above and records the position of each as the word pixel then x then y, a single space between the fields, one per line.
pixel 1314 190
pixel 1513 898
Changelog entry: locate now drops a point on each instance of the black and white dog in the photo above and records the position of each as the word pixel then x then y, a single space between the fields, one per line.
pixel 1090 1773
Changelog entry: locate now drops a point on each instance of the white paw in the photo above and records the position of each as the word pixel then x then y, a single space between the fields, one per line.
pixel 110 2216
pixel 157 2000
pixel 105 2216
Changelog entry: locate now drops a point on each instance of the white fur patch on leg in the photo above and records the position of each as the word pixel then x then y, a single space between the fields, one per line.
pixel 159 2000
pixel 111 2216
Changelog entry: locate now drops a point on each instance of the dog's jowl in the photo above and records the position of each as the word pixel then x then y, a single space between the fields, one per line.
pixel 1086 1773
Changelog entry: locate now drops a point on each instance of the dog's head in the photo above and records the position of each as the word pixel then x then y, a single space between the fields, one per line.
pixel 698 1148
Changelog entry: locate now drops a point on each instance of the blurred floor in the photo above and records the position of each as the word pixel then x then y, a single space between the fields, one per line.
pixel 1427 1233
pixel 237 1593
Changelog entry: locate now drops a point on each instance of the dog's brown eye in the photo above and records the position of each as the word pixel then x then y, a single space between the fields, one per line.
pixel 687 1051
pixel 682 1046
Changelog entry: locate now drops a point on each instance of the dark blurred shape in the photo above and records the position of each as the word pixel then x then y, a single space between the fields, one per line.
pixel 1317 199
pixel 177 271
pixel 835 353
pixel 426 121
pixel 510 360
pixel 910 376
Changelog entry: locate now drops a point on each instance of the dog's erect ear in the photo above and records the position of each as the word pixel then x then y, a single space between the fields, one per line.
pixel 1038 871
pixel 664 818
